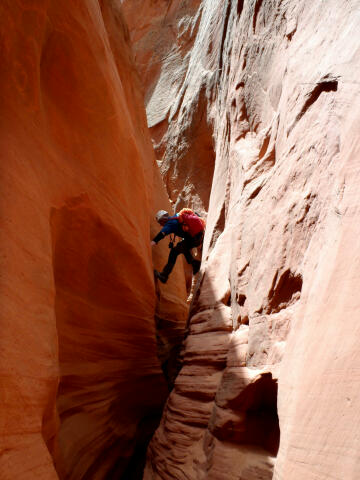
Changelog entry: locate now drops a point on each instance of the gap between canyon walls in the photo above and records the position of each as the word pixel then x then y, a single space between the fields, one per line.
pixel 223 394
pixel 246 77
pixel 163 34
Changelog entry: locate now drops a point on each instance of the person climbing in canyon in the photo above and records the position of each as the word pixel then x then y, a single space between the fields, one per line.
pixel 187 225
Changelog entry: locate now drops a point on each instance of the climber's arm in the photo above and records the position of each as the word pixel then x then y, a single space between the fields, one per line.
pixel 169 227
pixel 158 237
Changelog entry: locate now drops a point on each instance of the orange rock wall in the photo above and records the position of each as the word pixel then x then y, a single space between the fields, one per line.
pixel 80 378
pixel 269 384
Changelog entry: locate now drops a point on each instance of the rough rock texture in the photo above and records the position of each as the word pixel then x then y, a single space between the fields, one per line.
pixel 79 184
pixel 270 381
pixel 162 34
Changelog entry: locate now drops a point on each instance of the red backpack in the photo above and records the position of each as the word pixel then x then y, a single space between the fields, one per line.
pixel 191 222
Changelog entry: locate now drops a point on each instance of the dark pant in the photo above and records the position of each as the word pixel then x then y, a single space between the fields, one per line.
pixel 183 247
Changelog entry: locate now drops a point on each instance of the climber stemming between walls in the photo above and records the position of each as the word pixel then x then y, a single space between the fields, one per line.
pixel 187 225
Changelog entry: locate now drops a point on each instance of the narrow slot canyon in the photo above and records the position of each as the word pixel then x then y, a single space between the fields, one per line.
pixel 243 111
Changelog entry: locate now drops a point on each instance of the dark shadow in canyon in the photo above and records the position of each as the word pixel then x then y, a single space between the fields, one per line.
pixel 108 400
pixel 257 406
pixel 285 290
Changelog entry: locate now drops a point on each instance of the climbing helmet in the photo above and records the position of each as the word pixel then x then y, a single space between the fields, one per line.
pixel 161 214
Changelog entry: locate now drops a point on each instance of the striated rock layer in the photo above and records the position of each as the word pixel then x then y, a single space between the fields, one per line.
pixel 270 381
pixel 81 381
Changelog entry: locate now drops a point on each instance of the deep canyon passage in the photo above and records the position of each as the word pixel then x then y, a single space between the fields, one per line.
pixel 246 111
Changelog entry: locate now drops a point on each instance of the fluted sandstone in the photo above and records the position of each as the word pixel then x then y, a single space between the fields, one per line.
pixel 269 386
pixel 79 184
pixel 162 35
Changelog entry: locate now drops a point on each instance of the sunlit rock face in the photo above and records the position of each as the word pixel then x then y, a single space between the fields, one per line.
pixel 163 34
pixel 81 382
pixel 269 384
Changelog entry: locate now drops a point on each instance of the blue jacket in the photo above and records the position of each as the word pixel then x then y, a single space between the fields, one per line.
pixel 171 226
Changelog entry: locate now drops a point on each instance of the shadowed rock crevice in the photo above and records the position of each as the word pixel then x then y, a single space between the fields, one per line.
pixel 225 28
pixel 135 466
pixel 257 7
pixel 264 146
pixel 240 6
pixel 325 86
pixel 241 298
pixel 285 290
pixel 219 227
pixel 255 193
pixel 169 341
pixel 261 418
pixel 254 420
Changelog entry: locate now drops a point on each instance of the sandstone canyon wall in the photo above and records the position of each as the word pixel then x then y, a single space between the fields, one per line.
pixel 269 386
pixel 81 383
pixel 252 109
pixel 162 34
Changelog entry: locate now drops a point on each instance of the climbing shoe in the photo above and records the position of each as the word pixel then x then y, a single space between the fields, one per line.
pixel 160 276
pixel 195 266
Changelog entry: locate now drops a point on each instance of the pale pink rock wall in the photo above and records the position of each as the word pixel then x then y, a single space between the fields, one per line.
pixel 162 34
pixel 277 305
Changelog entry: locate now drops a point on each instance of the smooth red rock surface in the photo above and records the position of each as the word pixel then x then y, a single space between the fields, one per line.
pixel 274 335
pixel 80 379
